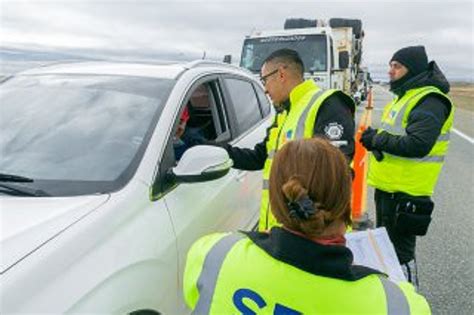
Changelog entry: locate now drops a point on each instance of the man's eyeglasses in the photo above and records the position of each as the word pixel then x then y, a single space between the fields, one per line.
pixel 265 77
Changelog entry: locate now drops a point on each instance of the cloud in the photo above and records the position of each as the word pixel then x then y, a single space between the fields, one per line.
pixel 189 28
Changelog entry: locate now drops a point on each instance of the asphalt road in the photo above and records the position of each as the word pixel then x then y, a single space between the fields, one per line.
pixel 445 255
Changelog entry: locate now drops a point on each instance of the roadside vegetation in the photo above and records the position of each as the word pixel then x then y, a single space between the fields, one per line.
pixel 463 95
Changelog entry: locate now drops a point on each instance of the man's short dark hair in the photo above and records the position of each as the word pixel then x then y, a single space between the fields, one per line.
pixel 288 57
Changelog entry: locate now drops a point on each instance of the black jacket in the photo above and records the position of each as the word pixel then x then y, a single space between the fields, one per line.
pixel 425 120
pixel 333 261
pixel 337 111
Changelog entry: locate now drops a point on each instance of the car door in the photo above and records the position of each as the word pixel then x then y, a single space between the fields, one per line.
pixel 250 113
pixel 197 209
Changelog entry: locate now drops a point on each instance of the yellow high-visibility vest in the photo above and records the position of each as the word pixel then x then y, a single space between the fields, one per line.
pixel 298 123
pixel 230 274
pixel 414 176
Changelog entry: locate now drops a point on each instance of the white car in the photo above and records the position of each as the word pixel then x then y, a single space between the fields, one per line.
pixel 97 214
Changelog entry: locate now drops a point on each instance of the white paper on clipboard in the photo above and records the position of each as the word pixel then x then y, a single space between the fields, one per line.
pixel 373 248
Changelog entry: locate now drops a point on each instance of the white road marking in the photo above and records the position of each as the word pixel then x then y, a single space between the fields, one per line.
pixel 463 135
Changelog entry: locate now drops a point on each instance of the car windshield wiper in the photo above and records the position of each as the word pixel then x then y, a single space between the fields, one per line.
pixel 18 190
pixel 14 178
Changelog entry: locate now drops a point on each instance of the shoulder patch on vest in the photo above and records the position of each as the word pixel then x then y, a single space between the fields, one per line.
pixel 334 131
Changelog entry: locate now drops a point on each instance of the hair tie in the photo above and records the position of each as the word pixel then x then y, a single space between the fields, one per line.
pixel 302 208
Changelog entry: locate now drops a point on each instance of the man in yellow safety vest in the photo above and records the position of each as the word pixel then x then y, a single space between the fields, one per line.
pixel 413 139
pixel 303 111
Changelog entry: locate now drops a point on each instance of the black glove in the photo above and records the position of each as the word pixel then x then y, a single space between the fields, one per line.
pixel 368 138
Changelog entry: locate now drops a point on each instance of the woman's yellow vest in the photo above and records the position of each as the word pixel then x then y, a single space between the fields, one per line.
pixel 413 176
pixel 297 123
pixel 229 274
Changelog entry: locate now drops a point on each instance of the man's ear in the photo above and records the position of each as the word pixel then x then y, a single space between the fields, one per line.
pixel 282 73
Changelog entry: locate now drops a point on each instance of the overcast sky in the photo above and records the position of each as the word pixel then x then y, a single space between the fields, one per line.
pixel 136 28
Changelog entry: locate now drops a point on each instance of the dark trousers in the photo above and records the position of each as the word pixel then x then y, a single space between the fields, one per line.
pixel 385 208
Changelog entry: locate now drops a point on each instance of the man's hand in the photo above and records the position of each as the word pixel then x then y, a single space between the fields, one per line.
pixel 368 138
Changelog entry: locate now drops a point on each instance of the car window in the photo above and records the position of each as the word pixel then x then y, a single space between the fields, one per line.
pixel 202 118
pixel 207 121
pixel 78 134
pixel 245 103
pixel 265 105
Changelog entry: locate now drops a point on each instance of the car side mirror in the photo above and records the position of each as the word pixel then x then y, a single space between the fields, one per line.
pixel 201 163
pixel 343 59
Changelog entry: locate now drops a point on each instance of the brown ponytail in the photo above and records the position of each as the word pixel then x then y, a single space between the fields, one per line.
pixel 310 186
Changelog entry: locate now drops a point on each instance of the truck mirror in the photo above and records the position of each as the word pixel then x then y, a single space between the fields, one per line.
pixel 228 59
pixel 343 59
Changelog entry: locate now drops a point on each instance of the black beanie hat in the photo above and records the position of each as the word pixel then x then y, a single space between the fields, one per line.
pixel 413 57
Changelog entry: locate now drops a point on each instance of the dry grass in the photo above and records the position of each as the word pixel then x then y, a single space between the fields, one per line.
pixel 463 95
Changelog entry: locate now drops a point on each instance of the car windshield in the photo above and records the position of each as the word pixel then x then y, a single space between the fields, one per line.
pixel 77 134
pixel 311 48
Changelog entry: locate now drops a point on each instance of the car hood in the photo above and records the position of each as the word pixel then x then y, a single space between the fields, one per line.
pixel 29 223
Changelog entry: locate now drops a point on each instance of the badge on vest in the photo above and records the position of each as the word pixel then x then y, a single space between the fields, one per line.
pixel 334 131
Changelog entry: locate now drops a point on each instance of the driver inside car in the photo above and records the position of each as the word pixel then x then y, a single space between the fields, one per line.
pixel 186 136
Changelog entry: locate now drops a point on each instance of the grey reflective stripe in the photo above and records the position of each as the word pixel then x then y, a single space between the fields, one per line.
pixel 301 121
pixel 397 127
pixel 397 303
pixel 266 184
pixel 206 283
pixel 271 154
pixel 429 158
pixel 433 158
pixel 444 137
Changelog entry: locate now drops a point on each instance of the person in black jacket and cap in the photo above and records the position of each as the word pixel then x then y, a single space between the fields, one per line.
pixel 410 147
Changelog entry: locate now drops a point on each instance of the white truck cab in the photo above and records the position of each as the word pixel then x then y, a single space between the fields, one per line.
pixel 331 51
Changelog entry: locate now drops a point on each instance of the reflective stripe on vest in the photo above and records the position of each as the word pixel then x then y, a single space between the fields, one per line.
pixel 266 184
pixel 433 158
pixel 444 137
pixel 206 283
pixel 300 127
pixel 396 301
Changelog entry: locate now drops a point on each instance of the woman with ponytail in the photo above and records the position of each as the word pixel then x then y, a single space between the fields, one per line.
pixel 302 267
